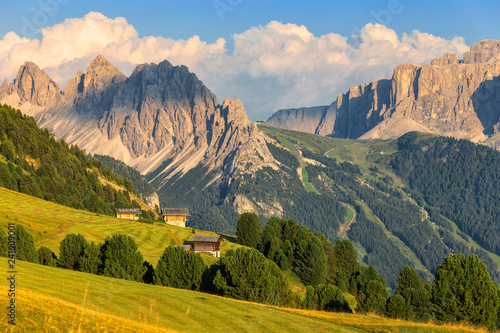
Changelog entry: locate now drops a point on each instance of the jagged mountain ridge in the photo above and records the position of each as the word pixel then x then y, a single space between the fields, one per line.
pixel 160 113
pixel 450 97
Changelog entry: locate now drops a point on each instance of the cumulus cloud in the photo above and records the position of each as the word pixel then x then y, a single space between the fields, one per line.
pixel 270 67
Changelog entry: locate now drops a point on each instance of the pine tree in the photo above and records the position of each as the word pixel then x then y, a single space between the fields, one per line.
pixel 416 294
pixel 396 307
pixel 46 256
pixel 179 269
pixel 463 291
pixel 71 251
pixel 247 275
pixel 90 260
pixel 4 243
pixel 25 245
pixel 121 258
pixel 249 230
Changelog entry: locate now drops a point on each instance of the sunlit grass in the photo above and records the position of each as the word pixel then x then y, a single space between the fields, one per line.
pixel 50 223
pixel 56 300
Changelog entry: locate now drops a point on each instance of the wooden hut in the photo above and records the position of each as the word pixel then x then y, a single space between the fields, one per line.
pixel 186 248
pixel 175 216
pixel 207 244
pixel 128 213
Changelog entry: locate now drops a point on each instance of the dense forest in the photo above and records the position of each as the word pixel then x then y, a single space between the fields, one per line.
pixel 139 182
pixel 457 177
pixel 33 162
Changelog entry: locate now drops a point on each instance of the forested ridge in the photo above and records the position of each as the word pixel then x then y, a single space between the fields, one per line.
pixel 139 182
pixel 459 178
pixel 33 162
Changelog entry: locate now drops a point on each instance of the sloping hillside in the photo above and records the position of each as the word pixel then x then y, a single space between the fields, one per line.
pixel 396 222
pixel 50 223
pixel 91 303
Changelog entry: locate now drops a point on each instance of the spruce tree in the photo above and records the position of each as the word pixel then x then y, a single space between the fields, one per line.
pixel 46 256
pixel 249 230
pixel 71 251
pixel 4 243
pixel 25 245
pixel 121 258
pixel 463 291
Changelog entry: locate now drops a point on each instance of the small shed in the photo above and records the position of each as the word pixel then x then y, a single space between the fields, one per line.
pixel 186 248
pixel 207 244
pixel 128 213
pixel 175 216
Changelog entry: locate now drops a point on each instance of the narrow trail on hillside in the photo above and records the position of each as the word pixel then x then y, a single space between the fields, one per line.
pixel 343 230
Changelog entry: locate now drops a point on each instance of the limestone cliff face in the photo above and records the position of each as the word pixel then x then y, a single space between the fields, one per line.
pixel 304 119
pixel 482 51
pixel 33 86
pixel 161 112
pixel 447 59
pixel 450 97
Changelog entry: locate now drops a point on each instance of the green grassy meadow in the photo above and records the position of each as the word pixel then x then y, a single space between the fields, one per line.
pixel 56 300
pixel 49 223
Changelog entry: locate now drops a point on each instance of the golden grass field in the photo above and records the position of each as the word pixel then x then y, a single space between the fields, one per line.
pixel 56 300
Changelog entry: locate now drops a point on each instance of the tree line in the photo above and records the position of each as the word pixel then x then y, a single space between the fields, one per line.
pixel 462 290
pixel 33 162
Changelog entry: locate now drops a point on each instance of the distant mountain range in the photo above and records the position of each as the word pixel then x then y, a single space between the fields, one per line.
pixel 450 97
pixel 209 157
pixel 160 113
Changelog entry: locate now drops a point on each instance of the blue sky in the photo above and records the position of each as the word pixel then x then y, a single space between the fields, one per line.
pixel 211 19
pixel 296 32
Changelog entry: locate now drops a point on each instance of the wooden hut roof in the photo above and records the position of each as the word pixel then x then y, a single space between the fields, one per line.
pixel 128 211
pixel 207 238
pixel 175 211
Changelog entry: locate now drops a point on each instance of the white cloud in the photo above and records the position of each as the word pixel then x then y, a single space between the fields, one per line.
pixel 271 67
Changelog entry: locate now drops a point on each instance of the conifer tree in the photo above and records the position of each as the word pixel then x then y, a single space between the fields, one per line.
pixel 121 258
pixel 179 269
pixel 249 230
pixel 71 251
pixel 46 256
pixel 4 243
pixel 25 245
pixel 463 291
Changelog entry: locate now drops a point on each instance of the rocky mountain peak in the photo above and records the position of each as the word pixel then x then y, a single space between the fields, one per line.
pixel 33 85
pixel 482 52
pixel 447 59
pixel 234 111
pixel 90 88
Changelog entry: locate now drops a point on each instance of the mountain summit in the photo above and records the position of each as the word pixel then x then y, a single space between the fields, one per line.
pixel 161 113
pixel 450 97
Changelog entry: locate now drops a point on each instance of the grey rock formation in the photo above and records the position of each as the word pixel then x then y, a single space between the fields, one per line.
pixel 482 51
pixel 161 112
pixel 447 59
pixel 301 119
pixel 34 86
pixel 459 99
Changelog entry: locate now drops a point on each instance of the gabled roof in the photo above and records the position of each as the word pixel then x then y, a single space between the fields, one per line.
pixel 128 211
pixel 175 211
pixel 207 238
pixel 186 248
